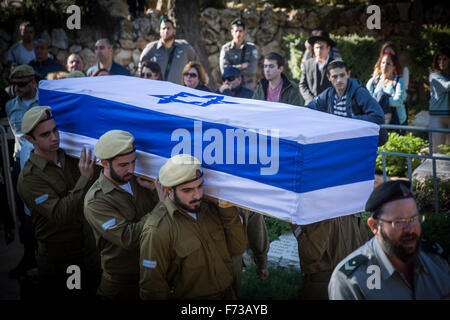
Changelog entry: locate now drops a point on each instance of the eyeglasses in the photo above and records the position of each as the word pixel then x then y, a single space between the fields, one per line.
pixel 21 84
pixel 403 223
pixel 146 75
pixel 192 75
pixel 229 79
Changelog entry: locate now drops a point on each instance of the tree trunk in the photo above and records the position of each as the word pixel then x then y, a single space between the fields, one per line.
pixel 186 15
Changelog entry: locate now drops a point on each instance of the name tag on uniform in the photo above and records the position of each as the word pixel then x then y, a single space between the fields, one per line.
pixel 108 224
pixel 149 264
pixel 41 199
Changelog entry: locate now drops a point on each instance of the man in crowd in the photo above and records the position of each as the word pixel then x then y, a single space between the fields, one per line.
pixel 104 52
pixel 187 241
pixel 323 244
pixel 24 84
pixel 240 54
pixel 22 52
pixel 395 264
pixel 43 64
pixel 171 55
pixel 75 63
pixel 232 84
pixel 114 207
pixel 313 80
pixel 346 97
pixel 275 86
pixel 53 186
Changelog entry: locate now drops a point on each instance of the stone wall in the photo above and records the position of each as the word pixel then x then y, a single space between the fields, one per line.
pixel 266 28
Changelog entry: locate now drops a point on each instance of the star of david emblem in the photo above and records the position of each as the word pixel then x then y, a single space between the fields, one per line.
pixel 189 98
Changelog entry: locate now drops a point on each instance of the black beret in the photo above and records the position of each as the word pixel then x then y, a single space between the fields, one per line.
pixel 164 18
pixel 388 191
pixel 238 22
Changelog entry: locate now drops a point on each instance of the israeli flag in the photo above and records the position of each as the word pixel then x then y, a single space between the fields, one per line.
pixel 285 161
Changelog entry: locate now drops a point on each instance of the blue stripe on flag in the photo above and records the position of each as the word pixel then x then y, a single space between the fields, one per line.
pixel 325 164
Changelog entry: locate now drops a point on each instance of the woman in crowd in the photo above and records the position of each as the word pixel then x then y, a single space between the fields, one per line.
pixel 195 77
pixel 151 70
pixel 388 88
pixel 390 47
pixel 439 100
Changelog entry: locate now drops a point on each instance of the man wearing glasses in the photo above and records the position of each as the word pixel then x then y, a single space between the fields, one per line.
pixel 396 263
pixel 232 84
pixel 23 82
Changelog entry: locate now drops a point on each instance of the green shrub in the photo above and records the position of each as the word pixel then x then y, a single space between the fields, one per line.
pixel 424 195
pixel 276 227
pixel 445 148
pixel 281 285
pixel 398 166
pixel 436 228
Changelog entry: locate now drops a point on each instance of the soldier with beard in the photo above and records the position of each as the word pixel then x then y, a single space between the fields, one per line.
pixel 396 263
pixel 187 241
pixel 114 207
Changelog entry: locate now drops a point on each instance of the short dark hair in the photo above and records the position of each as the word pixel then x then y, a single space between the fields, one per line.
pixel 154 66
pixel 275 56
pixel 336 64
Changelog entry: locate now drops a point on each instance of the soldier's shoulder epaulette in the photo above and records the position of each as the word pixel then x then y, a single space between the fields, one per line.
pixel 352 264
pixel 433 247
pixel 155 217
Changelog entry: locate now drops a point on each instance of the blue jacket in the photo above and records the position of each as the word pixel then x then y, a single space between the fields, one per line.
pixel 439 91
pixel 359 103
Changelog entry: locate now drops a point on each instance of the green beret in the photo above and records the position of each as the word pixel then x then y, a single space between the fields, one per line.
pixel 114 143
pixel 164 18
pixel 22 71
pixel 238 22
pixel 180 169
pixel 76 74
pixel 387 192
pixel 34 116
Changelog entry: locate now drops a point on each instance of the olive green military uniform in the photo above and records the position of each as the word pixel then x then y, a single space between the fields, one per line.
pixel 232 55
pixel 54 194
pixel 171 68
pixel 116 218
pixel 258 241
pixel 185 258
pixel 367 273
pixel 321 246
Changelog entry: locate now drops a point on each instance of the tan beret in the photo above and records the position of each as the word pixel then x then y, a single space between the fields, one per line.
pixel 179 169
pixel 22 71
pixel 114 143
pixel 34 116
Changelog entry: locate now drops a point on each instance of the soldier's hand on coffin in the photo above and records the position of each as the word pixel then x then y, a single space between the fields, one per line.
pixel 86 163
pixel 162 192
pixel 244 66
pixel 145 183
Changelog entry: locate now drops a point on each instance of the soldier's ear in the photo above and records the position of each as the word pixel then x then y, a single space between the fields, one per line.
pixel 105 163
pixel 373 225
pixel 29 138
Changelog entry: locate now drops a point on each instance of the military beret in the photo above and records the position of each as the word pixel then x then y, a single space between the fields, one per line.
pixel 114 143
pixel 231 72
pixel 34 116
pixel 238 22
pixel 180 169
pixel 387 192
pixel 76 74
pixel 22 71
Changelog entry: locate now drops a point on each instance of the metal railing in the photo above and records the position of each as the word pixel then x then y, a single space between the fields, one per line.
pixel 7 172
pixel 410 156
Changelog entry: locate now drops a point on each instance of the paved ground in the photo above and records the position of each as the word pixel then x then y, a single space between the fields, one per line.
pixel 10 256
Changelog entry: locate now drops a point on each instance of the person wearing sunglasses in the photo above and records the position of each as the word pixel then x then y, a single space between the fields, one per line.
pixel 396 264
pixel 23 80
pixel 151 70
pixel 232 84
pixel 195 77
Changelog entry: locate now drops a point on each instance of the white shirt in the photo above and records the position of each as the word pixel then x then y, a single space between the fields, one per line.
pixel 127 188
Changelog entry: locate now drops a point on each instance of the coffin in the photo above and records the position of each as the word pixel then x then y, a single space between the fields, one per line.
pixel 285 161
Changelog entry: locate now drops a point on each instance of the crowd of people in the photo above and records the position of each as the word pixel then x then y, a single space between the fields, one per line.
pixel 137 240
